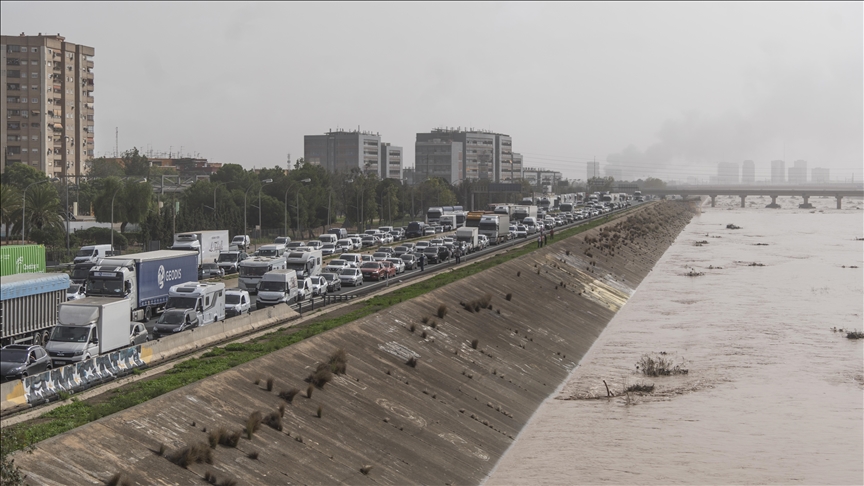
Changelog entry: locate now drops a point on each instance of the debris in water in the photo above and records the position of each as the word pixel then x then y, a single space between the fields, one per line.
pixel 732 226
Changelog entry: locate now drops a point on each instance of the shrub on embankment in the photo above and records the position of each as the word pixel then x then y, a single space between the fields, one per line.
pixel 520 359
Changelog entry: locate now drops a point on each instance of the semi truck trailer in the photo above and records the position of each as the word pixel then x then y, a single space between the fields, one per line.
pixel 15 259
pixel 143 278
pixel 29 303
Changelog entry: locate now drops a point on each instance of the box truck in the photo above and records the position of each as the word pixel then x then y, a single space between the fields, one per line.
pixel 522 212
pixel 207 244
pixel 496 227
pixel 88 328
pixel 468 235
pixel 143 278
pixel 15 259
pixel 29 303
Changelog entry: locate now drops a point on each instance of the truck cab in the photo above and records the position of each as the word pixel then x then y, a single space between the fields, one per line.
pixel 252 269
pixel 87 328
pixel 229 261
pixel 207 299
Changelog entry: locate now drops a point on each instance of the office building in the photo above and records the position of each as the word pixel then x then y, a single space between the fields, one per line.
pixel 341 151
pixel 820 176
pixel 543 179
pixel 47 95
pixel 798 172
pixel 748 172
pixel 482 155
pixel 391 162
pixel 778 171
pixel 727 173
pixel 440 158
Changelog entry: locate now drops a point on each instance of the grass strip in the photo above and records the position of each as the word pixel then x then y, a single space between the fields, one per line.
pixel 67 417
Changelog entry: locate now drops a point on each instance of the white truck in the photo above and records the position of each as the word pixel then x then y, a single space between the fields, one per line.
pixel 496 227
pixel 93 253
pixel 207 299
pixel 143 278
pixel 448 221
pixel 207 244
pixel 306 263
pixel 468 235
pixel 522 212
pixel 88 328
pixel 277 287
pixel 252 269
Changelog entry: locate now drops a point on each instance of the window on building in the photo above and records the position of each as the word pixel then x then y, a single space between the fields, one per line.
pixel 34 100
pixel 34 49
pixel 34 63
pixel 34 87
pixel 35 138
pixel 34 75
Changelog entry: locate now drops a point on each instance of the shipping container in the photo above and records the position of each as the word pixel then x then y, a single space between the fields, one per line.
pixel 15 259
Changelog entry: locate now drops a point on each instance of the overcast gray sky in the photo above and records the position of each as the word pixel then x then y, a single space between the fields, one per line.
pixel 663 89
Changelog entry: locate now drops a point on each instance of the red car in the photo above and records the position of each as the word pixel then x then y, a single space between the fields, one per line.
pixel 373 270
pixel 391 269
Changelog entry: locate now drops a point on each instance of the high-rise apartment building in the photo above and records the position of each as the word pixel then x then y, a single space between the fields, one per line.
pixel 47 94
pixel 798 172
pixel 727 173
pixel 391 162
pixel 438 158
pixel 483 155
pixel 748 172
pixel 778 171
pixel 820 176
pixel 341 151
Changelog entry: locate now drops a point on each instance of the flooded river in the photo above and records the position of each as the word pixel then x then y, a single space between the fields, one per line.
pixel 772 394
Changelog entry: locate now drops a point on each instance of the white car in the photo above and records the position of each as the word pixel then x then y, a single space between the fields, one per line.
pixel 241 241
pixel 315 244
pixel 420 245
pixel 398 263
pixel 334 266
pixel 483 240
pixel 237 302
pixel 319 285
pixel 75 292
pixel 521 231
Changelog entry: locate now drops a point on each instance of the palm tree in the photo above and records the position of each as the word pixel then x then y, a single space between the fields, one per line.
pixel 10 207
pixel 43 207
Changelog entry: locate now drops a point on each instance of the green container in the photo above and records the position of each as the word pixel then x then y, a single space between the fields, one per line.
pixel 15 259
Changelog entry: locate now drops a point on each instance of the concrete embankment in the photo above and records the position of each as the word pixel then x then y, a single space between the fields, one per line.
pixel 510 336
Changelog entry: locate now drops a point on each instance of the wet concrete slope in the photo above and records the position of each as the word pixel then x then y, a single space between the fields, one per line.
pixel 445 420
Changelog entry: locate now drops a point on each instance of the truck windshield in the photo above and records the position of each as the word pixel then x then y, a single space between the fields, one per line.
pixel 80 273
pixel 297 266
pixel 227 258
pixel 488 226
pixel 85 253
pixel 181 303
pixel 98 286
pixel 253 271
pixel 271 286
pixel 70 334
pixel 434 213
pixel 232 298
pixel 268 253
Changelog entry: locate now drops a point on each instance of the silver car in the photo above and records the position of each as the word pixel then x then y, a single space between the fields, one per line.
pixel 351 276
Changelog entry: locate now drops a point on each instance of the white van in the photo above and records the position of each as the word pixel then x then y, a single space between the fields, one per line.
pixel 277 287
pixel 208 300
pixel 352 258
pixel 328 238
pixel 530 225
pixel 92 253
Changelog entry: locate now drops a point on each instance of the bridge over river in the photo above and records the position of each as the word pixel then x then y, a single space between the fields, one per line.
pixel 838 191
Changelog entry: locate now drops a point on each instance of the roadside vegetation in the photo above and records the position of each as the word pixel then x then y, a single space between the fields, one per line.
pixel 221 358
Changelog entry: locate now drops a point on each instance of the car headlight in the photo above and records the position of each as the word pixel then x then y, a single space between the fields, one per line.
pixel 178 328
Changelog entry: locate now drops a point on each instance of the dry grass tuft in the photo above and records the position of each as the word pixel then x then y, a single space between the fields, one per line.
pixel 288 395
pixel 281 409
pixel 412 361
pixel 424 335
pixel 412 327
pixel 253 423
pixel 855 335
pixel 474 343
pixel 320 411
pixel 434 324
pixel 200 452
pixel 640 387
pixel 269 384
pixel 273 420
pixel 118 479
pixel 365 470
pixel 321 376
pixel 425 320
pixel 257 380
pixel 309 391
pixel 338 362
pixel 519 273
pixel 508 297
pixel 162 449
pixel 442 311
pixel 659 366
pixel 253 455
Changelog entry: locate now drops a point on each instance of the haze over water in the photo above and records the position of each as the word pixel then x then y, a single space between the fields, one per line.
pixel 773 395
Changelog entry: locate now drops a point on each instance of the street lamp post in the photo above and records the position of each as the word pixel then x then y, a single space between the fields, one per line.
pixel 112 210
pixel 361 222
pixel 24 207
pixel 245 227
pixel 307 180
pixel 214 194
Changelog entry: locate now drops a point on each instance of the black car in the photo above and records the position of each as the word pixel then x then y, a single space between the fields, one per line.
pixel 210 270
pixel 18 361
pixel 173 321
pixel 333 282
pixel 436 254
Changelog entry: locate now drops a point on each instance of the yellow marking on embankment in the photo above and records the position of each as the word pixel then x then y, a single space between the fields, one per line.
pixel 17 395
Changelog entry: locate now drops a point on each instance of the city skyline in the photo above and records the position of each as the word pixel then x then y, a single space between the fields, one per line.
pixel 244 83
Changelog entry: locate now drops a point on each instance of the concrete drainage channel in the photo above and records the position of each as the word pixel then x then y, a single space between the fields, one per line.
pixel 42 393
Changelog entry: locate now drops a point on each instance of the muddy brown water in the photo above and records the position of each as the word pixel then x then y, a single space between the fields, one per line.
pixel 773 395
